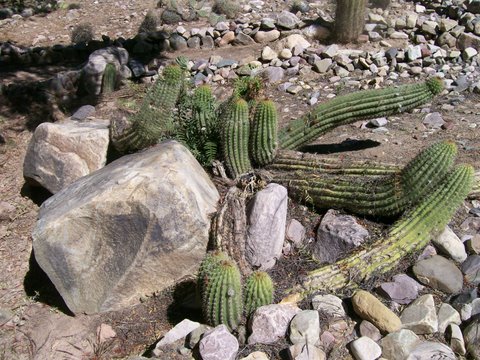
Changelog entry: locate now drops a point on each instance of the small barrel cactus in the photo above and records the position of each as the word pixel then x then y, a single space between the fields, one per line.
pixel 204 110
pixel 109 80
pixel 221 290
pixel 263 134
pixel 258 291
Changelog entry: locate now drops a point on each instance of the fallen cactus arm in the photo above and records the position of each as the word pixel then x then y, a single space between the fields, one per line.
pixel 357 106
pixel 411 233
pixel 381 196
pixel 154 120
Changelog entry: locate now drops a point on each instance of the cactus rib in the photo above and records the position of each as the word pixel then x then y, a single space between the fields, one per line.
pixel 356 106
pixel 378 196
pixel 235 134
pixel 258 291
pixel 263 135
pixel 109 79
pixel 411 233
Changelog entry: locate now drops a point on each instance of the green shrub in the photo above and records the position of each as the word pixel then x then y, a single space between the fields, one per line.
pixel 82 33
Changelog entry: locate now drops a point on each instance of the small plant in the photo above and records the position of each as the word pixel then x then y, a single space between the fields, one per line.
pixel 82 33
pixel 258 291
pixel 149 23
pixel 248 88
pixel 109 80
pixel 229 8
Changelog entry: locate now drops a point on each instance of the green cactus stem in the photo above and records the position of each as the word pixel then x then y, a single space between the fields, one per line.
pixel 222 294
pixel 263 134
pixel 378 196
pixel 209 263
pixel 109 80
pixel 410 234
pixel 258 291
pixel 154 120
pixel 475 193
pixel 357 106
pixel 349 20
pixel 204 110
pixel 235 134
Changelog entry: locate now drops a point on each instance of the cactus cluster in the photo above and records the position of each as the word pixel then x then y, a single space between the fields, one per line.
pixel 356 106
pixel 411 233
pixel 382 196
pixel 220 288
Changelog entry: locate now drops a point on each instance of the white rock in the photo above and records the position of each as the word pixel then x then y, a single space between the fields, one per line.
pixel 420 316
pixel 181 330
pixel 270 323
pixel 305 327
pixel 451 244
pixel 456 339
pixel 329 305
pixel 447 315
pixel 218 344
pixel 365 348
pixel 268 54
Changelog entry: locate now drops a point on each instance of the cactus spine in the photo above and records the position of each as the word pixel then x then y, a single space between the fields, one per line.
pixel 222 292
pixel 384 196
pixel 411 233
pixel 356 106
pixel 258 291
pixel 235 134
pixel 154 120
pixel 109 79
pixel 263 135
pixel 349 20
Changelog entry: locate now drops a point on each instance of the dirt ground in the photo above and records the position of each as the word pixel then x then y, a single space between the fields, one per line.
pixel 33 319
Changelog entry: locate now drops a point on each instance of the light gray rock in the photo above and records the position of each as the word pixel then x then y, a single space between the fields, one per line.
pixel 83 112
pixel 143 221
pixel 457 343
pixel 365 348
pixel 7 211
pixel 433 120
pixel 194 337
pixel 378 122
pixel 256 355
pixel 331 51
pixel 403 289
pixel 305 328
pixel 60 153
pixel 295 41
pixel 243 39
pixel 336 236
pixel 466 40
pixel 268 54
pixel 306 352
pixel 398 345
pixel 366 328
pixel 322 66
pixel 439 273
pixel 450 244
pixel 471 269
pixel 429 350
pixel 273 74
pixel 287 20
pixel 295 232
pixel 270 323
pixel 447 315
pixel 263 37
pixel 421 316
pixel 471 335
pixel 218 344
pixel 267 218
pixel 414 52
pixel 180 331
pixel 329 305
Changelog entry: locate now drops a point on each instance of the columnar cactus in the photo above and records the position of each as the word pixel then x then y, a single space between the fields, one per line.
pixel 382 196
pixel 235 134
pixel 263 134
pixel 349 20
pixel 109 79
pixel 154 120
pixel 410 234
pixel 356 106
pixel 222 293
pixel 204 110
pixel 258 291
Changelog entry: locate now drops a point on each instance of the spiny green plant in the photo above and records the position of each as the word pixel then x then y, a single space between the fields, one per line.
pixel 259 291
pixel 349 20
pixel 356 106
pixel 229 8
pixel 221 292
pixel 263 134
pixel 182 61
pixel 234 137
pixel 409 234
pixel 209 262
pixel 150 23
pixel 383 196
pixel 154 120
pixel 82 33
pixel 248 88
pixel 109 80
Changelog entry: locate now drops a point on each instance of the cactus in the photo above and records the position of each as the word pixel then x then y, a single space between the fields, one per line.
pixel 210 261
pixel 182 61
pixel 356 106
pixel 383 196
pixel 410 234
pixel 349 20
pixel 154 120
pixel 235 133
pixel 109 79
pixel 258 291
pixel 263 135
pixel 221 292
pixel 475 193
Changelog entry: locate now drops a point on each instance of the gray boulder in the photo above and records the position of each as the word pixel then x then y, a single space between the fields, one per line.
pixel 134 227
pixel 336 236
pixel 267 218
pixel 60 153
pixel 218 344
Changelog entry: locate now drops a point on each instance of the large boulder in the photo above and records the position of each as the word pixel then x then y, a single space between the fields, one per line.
pixel 60 153
pixel 134 227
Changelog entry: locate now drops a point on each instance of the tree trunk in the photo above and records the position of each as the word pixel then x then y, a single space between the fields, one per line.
pixel 349 20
